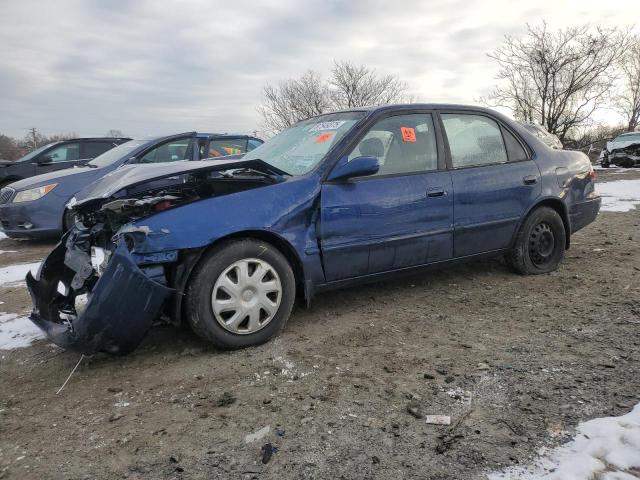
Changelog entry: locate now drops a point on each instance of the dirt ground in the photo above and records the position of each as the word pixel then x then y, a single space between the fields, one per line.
pixel 516 362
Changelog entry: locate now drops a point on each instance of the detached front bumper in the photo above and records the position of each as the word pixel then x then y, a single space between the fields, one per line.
pixel 120 305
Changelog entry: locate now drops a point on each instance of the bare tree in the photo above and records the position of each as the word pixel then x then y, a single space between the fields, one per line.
pixel 114 133
pixel 349 86
pixel 358 86
pixel 9 149
pixel 558 79
pixel 628 102
pixel 293 100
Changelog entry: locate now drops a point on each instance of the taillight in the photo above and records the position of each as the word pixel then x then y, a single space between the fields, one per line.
pixel 592 173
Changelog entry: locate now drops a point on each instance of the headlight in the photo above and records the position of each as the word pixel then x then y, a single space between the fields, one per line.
pixel 33 193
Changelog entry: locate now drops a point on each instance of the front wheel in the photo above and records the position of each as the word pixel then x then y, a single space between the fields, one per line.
pixel 241 294
pixel 540 243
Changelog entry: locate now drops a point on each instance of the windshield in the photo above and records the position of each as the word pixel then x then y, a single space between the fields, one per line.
pixel 628 137
pixel 35 153
pixel 115 154
pixel 298 149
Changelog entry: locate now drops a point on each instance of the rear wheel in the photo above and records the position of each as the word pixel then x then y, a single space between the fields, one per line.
pixel 540 243
pixel 241 294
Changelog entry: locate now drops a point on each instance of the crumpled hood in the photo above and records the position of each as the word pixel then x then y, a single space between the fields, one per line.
pixel 57 177
pixel 130 175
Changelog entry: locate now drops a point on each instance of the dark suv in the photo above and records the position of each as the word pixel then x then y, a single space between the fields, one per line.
pixel 55 156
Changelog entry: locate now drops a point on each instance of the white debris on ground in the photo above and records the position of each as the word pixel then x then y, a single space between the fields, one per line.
pixel 13 274
pixel 258 435
pixel 603 449
pixel 619 195
pixel 17 331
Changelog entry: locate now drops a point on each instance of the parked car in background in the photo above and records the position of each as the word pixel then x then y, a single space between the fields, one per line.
pixel 549 139
pixel 624 151
pixel 36 207
pixel 334 200
pixel 55 156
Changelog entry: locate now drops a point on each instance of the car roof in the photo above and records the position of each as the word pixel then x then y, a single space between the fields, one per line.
pixel 197 135
pixel 370 110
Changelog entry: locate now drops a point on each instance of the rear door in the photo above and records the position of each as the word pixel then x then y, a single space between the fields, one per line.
pixel 398 218
pixel 494 180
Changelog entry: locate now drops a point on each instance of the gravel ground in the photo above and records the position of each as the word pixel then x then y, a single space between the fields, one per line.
pixel 516 362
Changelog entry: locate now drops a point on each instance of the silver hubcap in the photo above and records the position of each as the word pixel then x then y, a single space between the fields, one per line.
pixel 246 296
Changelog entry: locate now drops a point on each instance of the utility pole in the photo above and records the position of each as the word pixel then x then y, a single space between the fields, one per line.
pixel 34 135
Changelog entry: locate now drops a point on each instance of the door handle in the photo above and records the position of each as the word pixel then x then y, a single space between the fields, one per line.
pixel 436 192
pixel 530 180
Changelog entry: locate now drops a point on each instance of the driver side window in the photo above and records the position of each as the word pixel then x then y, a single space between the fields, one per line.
pixel 402 144
pixel 64 153
pixel 171 151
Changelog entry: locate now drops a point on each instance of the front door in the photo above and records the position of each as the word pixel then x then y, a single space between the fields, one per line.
pixel 400 217
pixel 494 179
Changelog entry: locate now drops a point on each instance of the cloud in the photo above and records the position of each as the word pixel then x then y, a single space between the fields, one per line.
pixel 150 68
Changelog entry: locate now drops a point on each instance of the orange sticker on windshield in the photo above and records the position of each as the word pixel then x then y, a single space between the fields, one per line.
pixel 323 137
pixel 408 134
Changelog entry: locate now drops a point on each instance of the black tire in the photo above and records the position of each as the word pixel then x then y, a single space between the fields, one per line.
pixel 198 308
pixel 540 244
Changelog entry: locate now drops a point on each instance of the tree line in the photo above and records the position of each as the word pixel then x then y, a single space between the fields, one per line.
pixel 555 78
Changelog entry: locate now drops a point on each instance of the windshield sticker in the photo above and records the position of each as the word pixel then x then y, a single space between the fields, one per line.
pixel 323 137
pixel 408 134
pixel 327 125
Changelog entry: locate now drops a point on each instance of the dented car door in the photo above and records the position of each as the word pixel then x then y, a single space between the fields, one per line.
pixel 400 217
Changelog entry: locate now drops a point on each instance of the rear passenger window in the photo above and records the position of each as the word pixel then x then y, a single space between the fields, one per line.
pixel 93 149
pixel 402 144
pixel 473 140
pixel 227 146
pixel 515 151
pixel 172 151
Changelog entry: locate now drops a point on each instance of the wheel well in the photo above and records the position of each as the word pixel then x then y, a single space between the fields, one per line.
pixel 283 247
pixel 559 207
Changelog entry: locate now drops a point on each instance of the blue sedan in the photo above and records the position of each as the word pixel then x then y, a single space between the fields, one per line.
pixel 36 207
pixel 334 200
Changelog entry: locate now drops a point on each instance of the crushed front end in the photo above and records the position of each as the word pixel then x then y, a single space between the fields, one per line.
pixel 90 299
pixel 101 288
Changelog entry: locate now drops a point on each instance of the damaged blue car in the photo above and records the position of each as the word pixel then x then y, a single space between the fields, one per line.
pixel 334 200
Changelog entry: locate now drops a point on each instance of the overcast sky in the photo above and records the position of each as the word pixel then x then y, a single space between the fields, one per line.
pixel 155 67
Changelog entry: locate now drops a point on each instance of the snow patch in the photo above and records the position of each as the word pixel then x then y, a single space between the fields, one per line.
pixel 620 195
pixel 14 274
pixel 17 331
pixel 2 235
pixel 603 449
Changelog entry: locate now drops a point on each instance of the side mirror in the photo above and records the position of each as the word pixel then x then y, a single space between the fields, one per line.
pixel 358 167
pixel 44 160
